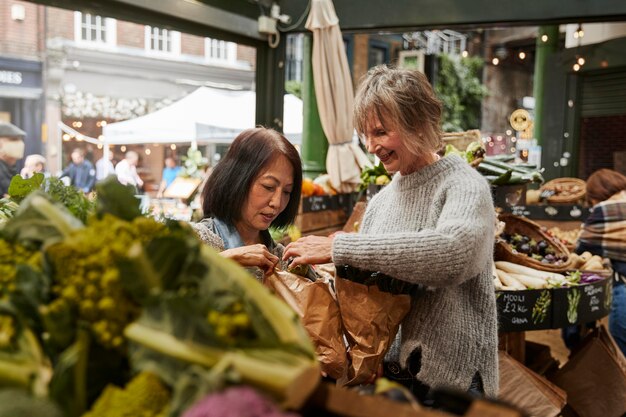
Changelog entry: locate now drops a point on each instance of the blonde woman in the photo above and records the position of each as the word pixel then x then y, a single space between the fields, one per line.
pixel 432 226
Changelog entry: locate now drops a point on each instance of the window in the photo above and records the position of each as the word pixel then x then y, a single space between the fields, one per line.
pixel 94 29
pixel 162 40
pixel 378 53
pixel 222 51
pixel 294 57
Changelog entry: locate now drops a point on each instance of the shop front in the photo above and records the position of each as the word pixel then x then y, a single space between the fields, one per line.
pixel 21 99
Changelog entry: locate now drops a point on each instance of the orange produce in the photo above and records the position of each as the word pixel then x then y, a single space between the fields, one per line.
pixel 318 190
pixel 308 188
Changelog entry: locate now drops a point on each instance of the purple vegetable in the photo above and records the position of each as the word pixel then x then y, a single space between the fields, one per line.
pixel 235 402
pixel 589 277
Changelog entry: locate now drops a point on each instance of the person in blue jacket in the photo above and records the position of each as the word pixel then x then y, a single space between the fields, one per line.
pixel 80 171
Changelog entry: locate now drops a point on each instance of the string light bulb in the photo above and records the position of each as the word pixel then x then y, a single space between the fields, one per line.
pixel 576 67
pixel 173 146
pixel 495 61
pixel 544 38
pixel 464 54
pixel 522 55
pixel 579 33
pixel 123 148
pixel 580 61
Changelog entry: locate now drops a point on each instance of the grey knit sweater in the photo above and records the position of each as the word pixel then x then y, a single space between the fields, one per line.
pixel 435 227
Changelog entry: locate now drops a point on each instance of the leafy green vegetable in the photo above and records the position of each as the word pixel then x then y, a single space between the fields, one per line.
pixel 117 199
pixel 19 187
pixel 40 221
pixel 369 175
pixel 214 314
pixel 71 197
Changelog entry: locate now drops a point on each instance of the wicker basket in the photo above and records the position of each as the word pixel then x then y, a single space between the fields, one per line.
pixel 515 224
pixel 568 190
pixel 460 140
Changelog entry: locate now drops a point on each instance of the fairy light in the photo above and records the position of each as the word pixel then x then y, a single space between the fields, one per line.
pixel 173 146
pixel 148 151
pixel 99 146
pixel 576 67
pixel 464 54
pixel 581 61
pixel 544 38
pixel 522 55
pixel 579 33
pixel 66 137
pixel 123 148
pixel 495 61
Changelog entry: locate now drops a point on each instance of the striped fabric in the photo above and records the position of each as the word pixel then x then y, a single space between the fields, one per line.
pixel 604 231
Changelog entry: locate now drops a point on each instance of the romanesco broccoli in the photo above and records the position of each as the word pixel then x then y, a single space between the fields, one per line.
pixel 144 396
pixel 11 255
pixel 87 280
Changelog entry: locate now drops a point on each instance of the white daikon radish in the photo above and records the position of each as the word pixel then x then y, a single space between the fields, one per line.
pixel 497 283
pixel 530 282
pixel 509 281
pixel 529 272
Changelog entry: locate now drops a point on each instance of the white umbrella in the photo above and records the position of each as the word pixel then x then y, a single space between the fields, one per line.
pixel 335 96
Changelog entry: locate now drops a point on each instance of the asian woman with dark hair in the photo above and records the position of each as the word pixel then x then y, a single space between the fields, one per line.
pixel 255 186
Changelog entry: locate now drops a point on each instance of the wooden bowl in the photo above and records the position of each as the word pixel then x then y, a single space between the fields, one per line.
pixel 516 224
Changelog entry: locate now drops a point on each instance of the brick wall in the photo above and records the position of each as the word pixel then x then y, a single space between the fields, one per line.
pixel 20 38
pixel 131 35
pixel 247 54
pixel 600 139
pixel 191 44
pixel 60 23
pixel 360 57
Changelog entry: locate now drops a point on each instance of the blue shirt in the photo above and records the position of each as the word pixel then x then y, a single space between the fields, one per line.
pixel 170 174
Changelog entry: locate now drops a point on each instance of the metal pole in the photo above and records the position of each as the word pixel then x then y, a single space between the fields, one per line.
pixel 547 44
pixel 314 142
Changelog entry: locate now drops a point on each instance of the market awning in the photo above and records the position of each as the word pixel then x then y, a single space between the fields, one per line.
pixel 207 115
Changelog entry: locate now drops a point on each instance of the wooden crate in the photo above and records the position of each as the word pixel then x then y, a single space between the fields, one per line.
pixel 317 221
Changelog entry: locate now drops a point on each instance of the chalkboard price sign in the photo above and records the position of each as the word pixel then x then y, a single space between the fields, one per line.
pixel 582 304
pixel 524 310
pixel 320 203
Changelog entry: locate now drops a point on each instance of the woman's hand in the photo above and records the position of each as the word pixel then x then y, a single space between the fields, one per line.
pixel 253 255
pixel 311 250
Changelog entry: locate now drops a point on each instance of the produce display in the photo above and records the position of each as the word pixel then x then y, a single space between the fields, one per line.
pixel 376 175
pixel 500 172
pixel 526 243
pixel 321 185
pixel 508 276
pixel 540 250
pixel 119 314
pixel 567 237
pixel 564 190
pixel 473 153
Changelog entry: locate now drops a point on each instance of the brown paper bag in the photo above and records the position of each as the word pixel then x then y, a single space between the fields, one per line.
pixel 370 319
pixel 595 377
pixel 318 310
pixel 527 390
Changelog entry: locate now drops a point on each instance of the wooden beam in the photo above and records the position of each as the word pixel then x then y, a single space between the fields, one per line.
pixel 406 15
